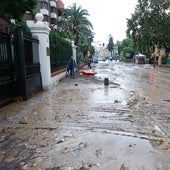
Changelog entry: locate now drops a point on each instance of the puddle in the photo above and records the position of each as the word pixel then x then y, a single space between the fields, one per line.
pixel 100 151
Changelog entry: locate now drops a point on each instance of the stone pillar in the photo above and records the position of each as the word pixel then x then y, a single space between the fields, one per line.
pixel 74 51
pixel 42 32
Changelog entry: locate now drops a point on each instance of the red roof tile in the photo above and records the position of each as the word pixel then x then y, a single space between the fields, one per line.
pixel 60 4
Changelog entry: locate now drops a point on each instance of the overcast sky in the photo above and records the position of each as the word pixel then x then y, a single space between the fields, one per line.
pixel 107 16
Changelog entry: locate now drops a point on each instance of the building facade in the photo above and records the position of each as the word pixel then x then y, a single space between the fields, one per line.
pixel 51 10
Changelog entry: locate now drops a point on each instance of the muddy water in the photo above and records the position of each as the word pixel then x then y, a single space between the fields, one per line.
pixel 153 83
pixel 82 123
pixel 99 151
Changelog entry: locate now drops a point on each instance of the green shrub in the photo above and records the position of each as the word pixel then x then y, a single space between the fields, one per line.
pixel 60 51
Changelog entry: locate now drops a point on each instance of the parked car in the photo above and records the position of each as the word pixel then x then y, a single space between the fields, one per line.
pixel 103 59
pixel 95 59
pixel 116 57
pixel 100 59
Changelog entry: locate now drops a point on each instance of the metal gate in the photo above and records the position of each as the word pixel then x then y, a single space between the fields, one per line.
pixel 19 67
pixel 29 80
pixel 6 70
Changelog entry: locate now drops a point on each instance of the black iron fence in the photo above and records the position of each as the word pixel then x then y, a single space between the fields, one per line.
pixel 6 69
pixel 19 67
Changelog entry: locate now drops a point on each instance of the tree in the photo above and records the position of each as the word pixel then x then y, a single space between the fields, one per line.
pixel 110 45
pixel 75 25
pixel 60 50
pixel 149 25
pixel 15 9
pixel 126 46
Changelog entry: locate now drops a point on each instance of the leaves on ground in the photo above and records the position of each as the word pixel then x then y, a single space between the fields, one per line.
pixel 165 145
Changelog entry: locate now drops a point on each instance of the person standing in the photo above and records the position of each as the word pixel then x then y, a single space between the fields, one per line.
pixel 89 62
pixel 72 65
pixel 153 59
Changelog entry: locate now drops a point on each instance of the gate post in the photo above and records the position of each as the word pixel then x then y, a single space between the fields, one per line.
pixel 74 51
pixel 42 32
pixel 23 65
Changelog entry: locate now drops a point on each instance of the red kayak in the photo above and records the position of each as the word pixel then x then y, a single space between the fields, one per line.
pixel 88 72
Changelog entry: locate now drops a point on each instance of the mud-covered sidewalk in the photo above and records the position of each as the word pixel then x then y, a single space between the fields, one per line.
pixel 81 124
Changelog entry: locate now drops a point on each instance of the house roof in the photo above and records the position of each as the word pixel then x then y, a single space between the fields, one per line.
pixel 60 4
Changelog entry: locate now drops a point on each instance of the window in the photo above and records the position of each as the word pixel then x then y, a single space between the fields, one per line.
pixel 44 5
pixel 59 13
pixel 53 21
pixel 45 18
pixel 53 10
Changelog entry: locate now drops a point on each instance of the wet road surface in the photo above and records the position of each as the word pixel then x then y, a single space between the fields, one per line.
pixel 83 124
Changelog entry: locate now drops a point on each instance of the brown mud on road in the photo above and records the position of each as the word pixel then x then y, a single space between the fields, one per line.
pixel 83 125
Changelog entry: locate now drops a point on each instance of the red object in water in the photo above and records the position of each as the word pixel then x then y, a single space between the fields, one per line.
pixel 88 72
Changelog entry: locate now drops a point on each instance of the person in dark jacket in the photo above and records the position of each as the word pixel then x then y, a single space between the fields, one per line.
pixel 89 62
pixel 71 67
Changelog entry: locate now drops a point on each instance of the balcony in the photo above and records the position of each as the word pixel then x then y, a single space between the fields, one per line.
pixel 44 11
pixel 53 4
pixel 53 15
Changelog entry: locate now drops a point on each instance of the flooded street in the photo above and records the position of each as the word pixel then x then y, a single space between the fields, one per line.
pixel 81 124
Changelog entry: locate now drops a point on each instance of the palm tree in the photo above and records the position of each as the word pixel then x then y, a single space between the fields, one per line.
pixel 75 25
